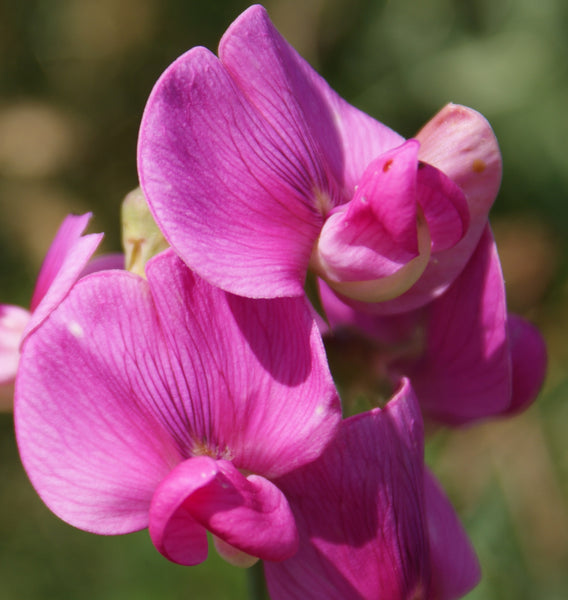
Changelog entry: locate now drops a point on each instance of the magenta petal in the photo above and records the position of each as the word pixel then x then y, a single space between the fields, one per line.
pixel 461 144
pixel 230 195
pixel 249 513
pixel 444 207
pixel 528 360
pixel 360 513
pixel 67 235
pixel 104 262
pixel 464 373
pixel 13 321
pixel 300 104
pixel 87 392
pixel 455 568
pixel 174 531
pixel 66 258
pixel 388 190
pixel 253 373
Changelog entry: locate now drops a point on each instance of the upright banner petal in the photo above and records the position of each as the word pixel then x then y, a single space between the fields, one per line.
pixel 229 193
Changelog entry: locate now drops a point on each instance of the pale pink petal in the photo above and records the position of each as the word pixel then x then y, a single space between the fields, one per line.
pixel 455 568
pixel 460 142
pixel 252 374
pixel 529 361
pixel 87 409
pixel 300 104
pixel 249 513
pixel 230 195
pixel 360 513
pixel 65 260
pixel 13 321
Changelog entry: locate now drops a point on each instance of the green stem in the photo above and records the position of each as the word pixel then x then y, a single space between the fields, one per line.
pixel 256 582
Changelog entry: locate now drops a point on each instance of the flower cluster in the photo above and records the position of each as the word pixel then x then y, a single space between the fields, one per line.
pixel 190 393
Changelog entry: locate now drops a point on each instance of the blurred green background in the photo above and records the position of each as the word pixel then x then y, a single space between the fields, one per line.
pixel 74 77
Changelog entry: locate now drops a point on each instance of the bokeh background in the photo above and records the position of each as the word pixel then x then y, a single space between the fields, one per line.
pixel 74 78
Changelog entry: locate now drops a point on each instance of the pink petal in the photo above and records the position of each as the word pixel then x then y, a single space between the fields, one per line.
pixel 299 103
pixel 174 531
pixel 87 412
pixel 127 378
pixel 461 144
pixel 455 350
pixel 455 568
pixel 376 234
pixel 65 260
pixel 529 362
pixel 464 373
pixel 266 397
pixel 230 195
pixel 249 513
pixel 381 242
pixel 360 513
pixel 104 262
pixel 13 321
pixel 444 206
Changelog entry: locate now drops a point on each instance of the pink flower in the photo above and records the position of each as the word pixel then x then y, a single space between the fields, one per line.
pixel 466 357
pixel 256 170
pixel 373 522
pixel 66 259
pixel 167 403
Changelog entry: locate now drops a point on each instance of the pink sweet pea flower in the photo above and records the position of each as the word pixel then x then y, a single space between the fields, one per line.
pixel 65 260
pixel 256 170
pixel 466 357
pixel 167 403
pixel 373 523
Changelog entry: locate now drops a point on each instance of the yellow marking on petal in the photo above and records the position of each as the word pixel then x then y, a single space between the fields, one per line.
pixel 478 165
pixel 322 202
